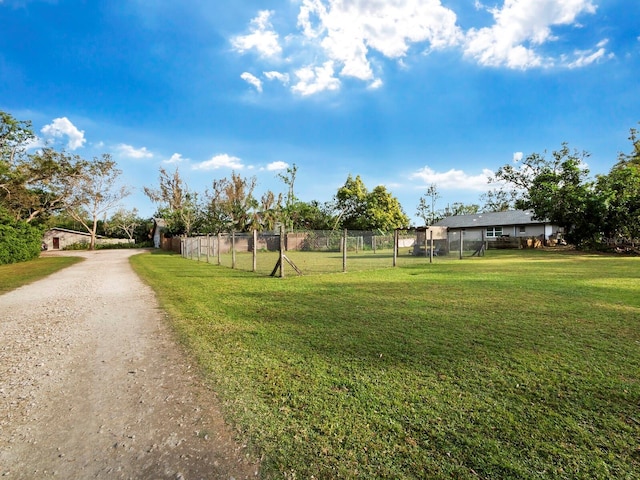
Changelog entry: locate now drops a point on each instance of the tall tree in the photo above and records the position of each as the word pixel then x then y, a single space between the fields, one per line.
pixel 427 205
pixel 351 203
pixel 620 192
pixel 124 222
pixel 230 205
pixel 555 189
pixel 177 205
pixel 289 179
pixel 95 193
pixel 32 186
pixel 360 209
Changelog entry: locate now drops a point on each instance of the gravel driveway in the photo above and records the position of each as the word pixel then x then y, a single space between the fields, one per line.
pixel 93 384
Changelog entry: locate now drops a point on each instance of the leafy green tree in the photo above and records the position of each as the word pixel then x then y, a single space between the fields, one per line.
pixel 360 209
pixel 384 211
pixel 351 203
pixel 33 186
pixel 314 216
pixel 555 189
pixel 620 192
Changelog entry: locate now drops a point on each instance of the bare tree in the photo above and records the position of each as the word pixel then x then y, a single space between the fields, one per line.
pixel 95 193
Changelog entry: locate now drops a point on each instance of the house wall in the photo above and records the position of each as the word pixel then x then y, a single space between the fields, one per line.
pixel 66 239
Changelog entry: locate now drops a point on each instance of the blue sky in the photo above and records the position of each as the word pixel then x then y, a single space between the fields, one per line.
pixel 404 93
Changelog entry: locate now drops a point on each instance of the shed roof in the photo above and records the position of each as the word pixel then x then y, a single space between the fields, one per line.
pixel 490 219
pixel 75 232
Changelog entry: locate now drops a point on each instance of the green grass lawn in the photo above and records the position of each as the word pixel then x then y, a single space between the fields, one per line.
pixel 17 274
pixel 516 365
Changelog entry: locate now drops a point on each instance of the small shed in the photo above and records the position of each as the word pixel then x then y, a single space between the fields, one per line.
pixel 430 238
pixel 60 238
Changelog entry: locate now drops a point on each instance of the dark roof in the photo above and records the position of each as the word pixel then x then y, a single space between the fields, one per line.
pixel 490 219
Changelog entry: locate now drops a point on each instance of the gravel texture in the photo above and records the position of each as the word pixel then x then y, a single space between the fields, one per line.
pixel 94 386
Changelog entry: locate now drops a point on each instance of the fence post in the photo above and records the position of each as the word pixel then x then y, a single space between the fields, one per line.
pixel 208 246
pixel 199 247
pixel 430 246
pixel 233 249
pixel 461 242
pixel 282 251
pixel 255 250
pixel 219 248
pixel 344 251
pixel 396 239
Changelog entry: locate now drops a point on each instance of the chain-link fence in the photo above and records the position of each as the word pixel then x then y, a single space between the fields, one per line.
pixel 318 252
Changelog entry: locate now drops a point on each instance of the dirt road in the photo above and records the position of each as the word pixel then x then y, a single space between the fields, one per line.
pixel 93 385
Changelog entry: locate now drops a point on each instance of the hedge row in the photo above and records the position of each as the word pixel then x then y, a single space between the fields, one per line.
pixel 19 241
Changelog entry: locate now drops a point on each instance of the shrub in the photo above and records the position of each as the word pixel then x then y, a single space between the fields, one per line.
pixel 19 241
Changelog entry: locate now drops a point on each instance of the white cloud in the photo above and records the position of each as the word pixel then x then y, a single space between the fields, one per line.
pixel 62 127
pixel 353 37
pixel 275 166
pixel 281 77
pixel 521 26
pixel 517 157
pixel 262 37
pixel 252 80
pixel 175 158
pixel 587 57
pixel 132 152
pixel 348 31
pixel 453 179
pixel 220 161
pixel 316 79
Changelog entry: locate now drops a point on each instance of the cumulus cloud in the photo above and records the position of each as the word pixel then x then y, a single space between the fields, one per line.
pixel 517 157
pixel 62 127
pixel 252 80
pixel 261 38
pixel 281 77
pixel 316 79
pixel 453 179
pixel 353 38
pixel 349 31
pixel 132 152
pixel 275 166
pixel 520 27
pixel 175 158
pixel 220 161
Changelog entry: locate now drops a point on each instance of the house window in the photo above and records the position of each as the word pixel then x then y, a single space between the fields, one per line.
pixel 523 229
pixel 493 232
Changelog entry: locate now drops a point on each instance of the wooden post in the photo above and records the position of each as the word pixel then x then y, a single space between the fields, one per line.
pixel 255 250
pixel 208 246
pixel 199 247
pixel 431 244
pixel 233 249
pixel 373 243
pixel 396 240
pixel 282 247
pixel 461 242
pixel 344 251
pixel 219 239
